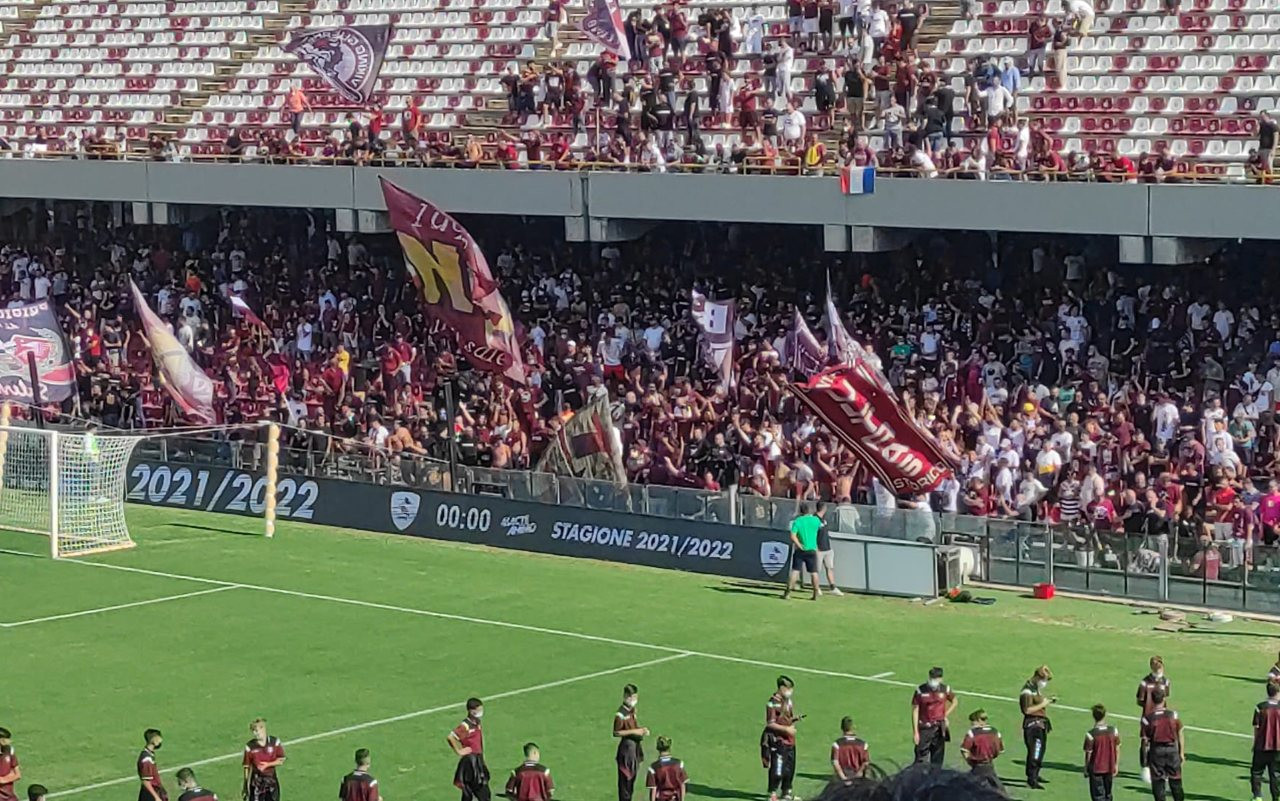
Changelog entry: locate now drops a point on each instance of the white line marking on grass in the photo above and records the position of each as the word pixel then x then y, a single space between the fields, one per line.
pixel 836 674
pixel 885 675
pixel 101 609
pixel 369 724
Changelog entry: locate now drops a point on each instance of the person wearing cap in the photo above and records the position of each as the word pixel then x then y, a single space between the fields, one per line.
pixel 1035 721
pixel 982 745
pixel 931 705
pixel 778 741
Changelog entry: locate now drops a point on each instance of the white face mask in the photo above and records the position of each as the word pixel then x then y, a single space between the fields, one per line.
pixel 631 703
pixel 935 684
pixel 1042 684
pixel 479 713
pixel 786 692
pixel 1159 674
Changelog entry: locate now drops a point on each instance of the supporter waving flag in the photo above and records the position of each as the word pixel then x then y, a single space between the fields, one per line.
pixel 181 377
pixel 242 308
pixel 347 58
pixel 454 277
pixel 715 319
pixel 855 407
pixel 603 25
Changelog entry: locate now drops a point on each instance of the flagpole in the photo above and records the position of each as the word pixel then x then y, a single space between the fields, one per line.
pixel 35 389
pixel 453 452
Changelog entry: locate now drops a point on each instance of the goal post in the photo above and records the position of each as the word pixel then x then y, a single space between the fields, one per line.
pixel 65 485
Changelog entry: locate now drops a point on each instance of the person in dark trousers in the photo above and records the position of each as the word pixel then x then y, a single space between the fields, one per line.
pixel 849 754
pixel 1266 744
pixel 931 706
pixel 1035 722
pixel 1101 755
pixel 630 735
pixel 1155 680
pixel 467 741
pixel 778 740
pixel 981 747
pixel 804 551
pixel 1166 746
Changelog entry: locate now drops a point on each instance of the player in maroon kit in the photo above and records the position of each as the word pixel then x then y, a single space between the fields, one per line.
pixel 359 785
pixel 262 755
pixel 1101 755
pixel 152 788
pixel 666 779
pixel 849 754
pixel 1266 744
pixel 467 741
pixel 778 740
pixel 981 746
pixel 36 792
pixel 10 772
pixel 532 780
pixel 931 705
pixel 191 789
pixel 1166 749
pixel 630 734
pixel 1155 680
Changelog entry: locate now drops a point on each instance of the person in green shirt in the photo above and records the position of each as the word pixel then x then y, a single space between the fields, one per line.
pixel 804 550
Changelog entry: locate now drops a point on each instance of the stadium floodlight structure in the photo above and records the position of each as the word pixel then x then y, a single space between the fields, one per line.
pixel 69 486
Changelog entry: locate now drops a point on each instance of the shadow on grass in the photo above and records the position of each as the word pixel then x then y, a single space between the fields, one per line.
pixel 705 791
pixel 216 530
pixel 1212 760
pixel 1246 679
pixel 1221 633
pixel 745 590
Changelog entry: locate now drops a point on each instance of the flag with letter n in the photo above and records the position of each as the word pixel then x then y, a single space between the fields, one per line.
pixel 348 58
pixel 858 180
pixel 457 286
pixel 586 446
pixel 715 319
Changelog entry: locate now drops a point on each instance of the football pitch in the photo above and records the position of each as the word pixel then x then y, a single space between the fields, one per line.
pixel 344 640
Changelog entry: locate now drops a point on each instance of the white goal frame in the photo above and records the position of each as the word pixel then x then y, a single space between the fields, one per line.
pixel 65 485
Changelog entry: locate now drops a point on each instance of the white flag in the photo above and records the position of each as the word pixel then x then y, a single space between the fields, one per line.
pixel 715 318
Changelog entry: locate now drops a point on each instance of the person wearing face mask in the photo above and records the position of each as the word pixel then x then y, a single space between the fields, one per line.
pixel 148 771
pixel 931 705
pixel 630 734
pixel 1035 721
pixel 778 741
pixel 467 741
pixel 1155 680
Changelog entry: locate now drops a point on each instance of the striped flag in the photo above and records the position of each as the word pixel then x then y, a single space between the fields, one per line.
pixel 715 319
pixel 858 180
pixel 240 307
pixel 180 376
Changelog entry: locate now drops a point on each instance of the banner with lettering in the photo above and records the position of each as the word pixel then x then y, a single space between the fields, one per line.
pixel 853 404
pixel 32 330
pixel 348 59
pixel 602 24
pixel 455 281
pixel 715 319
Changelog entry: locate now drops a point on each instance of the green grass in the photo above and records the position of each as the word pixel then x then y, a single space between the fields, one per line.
pixel 80 690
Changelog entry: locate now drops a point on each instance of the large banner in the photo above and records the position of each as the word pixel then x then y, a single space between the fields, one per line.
pixel 348 58
pixel 855 406
pixel 587 446
pixel 603 25
pixel 695 546
pixel 841 347
pixel 32 330
pixel 188 385
pixel 715 319
pixel 456 284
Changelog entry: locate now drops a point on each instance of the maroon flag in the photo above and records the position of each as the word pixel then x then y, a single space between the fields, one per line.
pixel 30 331
pixel 841 347
pixel 454 277
pixel 180 376
pixel 855 407
pixel 242 308
pixel 603 25
pixel 348 58
pixel 715 319
pixel 586 446
pixel 804 353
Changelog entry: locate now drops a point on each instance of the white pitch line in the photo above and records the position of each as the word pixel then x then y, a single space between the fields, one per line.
pixel 612 641
pixel 369 724
pixel 101 609
pixel 884 675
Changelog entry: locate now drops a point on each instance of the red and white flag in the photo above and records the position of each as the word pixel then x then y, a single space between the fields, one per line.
pixel 603 25
pixel 715 319
pixel 240 307
pixel 181 377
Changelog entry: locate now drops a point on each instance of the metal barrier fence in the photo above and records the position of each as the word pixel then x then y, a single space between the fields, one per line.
pixel 1224 574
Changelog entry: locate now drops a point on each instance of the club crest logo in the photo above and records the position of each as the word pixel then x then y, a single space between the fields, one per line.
pixel 347 58
pixel 404 509
pixel 773 557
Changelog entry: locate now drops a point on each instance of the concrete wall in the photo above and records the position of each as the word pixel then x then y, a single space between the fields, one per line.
pixel 1209 211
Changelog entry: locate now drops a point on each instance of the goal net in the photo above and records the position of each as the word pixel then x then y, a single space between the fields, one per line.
pixel 67 486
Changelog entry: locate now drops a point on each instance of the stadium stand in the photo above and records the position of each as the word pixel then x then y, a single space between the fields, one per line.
pixel 1185 84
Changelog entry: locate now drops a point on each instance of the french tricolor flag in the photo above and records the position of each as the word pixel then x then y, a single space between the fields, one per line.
pixel 858 180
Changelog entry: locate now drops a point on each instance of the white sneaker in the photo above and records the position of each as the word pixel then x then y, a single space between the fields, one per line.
pixel 835 591
pixel 1146 775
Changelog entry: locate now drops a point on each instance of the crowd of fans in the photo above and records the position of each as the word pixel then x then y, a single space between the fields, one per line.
pixel 846 86
pixel 1101 397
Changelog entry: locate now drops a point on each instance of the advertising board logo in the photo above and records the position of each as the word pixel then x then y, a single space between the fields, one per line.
pixel 773 556
pixel 404 509
pixel 517 525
